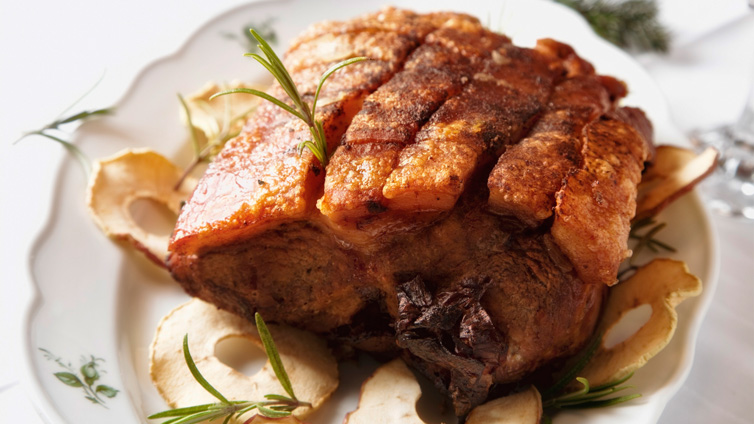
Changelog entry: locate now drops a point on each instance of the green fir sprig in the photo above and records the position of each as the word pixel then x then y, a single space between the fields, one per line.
pixel 273 405
pixel 298 107
pixel 629 24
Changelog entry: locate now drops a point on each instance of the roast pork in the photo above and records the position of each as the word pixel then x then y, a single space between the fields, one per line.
pixel 474 211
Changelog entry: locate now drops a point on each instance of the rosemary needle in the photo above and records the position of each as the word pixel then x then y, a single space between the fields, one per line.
pixel 273 405
pixel 299 108
pixel 556 397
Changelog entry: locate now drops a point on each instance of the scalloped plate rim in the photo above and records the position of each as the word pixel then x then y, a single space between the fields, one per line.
pixel 41 398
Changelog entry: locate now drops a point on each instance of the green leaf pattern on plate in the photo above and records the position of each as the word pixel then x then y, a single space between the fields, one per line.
pixel 90 373
pixel 249 43
pixel 69 379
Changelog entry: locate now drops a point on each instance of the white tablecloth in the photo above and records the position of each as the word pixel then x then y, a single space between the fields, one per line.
pixel 54 51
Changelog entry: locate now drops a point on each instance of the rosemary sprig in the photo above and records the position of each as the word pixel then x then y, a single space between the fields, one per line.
pixel 223 131
pixel 630 24
pixel 644 241
pixel 53 132
pixel 556 397
pixel 577 367
pixel 273 405
pixel 648 240
pixel 299 108
pixel 592 397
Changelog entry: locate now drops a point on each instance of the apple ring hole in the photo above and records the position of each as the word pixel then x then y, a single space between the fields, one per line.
pixel 627 325
pixel 241 354
pixel 153 216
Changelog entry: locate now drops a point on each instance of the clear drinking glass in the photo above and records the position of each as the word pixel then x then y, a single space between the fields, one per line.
pixel 730 190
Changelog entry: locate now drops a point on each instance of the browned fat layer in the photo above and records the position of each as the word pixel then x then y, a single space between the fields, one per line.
pixel 389 19
pixel 525 179
pixel 494 110
pixel 392 115
pixel 259 179
pixel 597 201
pixel 434 72
pixel 335 47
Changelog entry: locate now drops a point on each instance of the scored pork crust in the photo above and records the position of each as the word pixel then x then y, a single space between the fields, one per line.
pixel 476 205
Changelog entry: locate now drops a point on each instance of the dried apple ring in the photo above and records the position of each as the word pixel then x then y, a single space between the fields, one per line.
pixel 311 367
pixel 388 396
pixel 524 407
pixel 120 180
pixel 259 419
pixel 675 172
pixel 661 284
pixel 222 115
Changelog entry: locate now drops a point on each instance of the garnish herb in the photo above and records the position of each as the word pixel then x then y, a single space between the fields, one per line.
pixel 299 108
pixel 274 405
pixel 629 24
pixel 648 240
pixel 644 241
pixel 53 132
pixel 556 397
pixel 216 139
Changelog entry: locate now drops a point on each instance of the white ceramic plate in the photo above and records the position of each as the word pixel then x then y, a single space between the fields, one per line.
pixel 101 300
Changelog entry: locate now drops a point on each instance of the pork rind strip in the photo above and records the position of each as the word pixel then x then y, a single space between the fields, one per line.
pixel 527 176
pixel 494 110
pixel 392 115
pixel 259 179
pixel 597 202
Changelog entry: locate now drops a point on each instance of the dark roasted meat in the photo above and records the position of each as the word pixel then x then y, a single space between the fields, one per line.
pixel 475 208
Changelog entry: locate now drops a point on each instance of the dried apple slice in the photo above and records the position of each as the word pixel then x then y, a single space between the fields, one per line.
pixel 668 159
pixel 524 407
pixel 258 419
pixel 222 117
pixel 661 284
pixel 311 367
pixel 674 172
pixel 388 396
pixel 120 180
